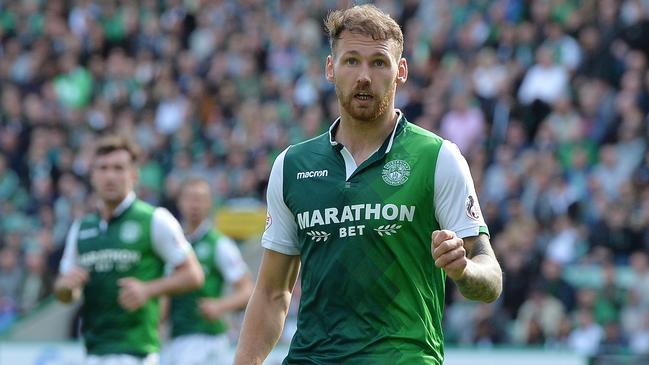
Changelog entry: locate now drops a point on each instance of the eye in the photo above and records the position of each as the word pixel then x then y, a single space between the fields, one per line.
pixel 379 63
pixel 351 61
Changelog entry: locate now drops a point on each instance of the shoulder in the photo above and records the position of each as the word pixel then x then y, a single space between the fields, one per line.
pixel 87 219
pixel 420 137
pixel 140 206
pixel 319 144
pixel 417 143
pixel 450 153
pixel 214 236
pixel 223 242
pixel 160 214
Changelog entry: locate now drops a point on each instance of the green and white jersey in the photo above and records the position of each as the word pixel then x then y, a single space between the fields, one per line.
pixel 222 264
pixel 371 293
pixel 138 241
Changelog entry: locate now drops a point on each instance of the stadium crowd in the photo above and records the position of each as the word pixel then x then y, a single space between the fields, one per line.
pixel 548 99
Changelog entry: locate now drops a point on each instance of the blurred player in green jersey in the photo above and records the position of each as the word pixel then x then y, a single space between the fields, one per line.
pixel 197 328
pixel 116 257
pixel 376 213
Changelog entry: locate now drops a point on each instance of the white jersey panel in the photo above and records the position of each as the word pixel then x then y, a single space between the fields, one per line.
pixel 456 202
pixel 281 230
pixel 168 239
pixel 229 261
pixel 70 252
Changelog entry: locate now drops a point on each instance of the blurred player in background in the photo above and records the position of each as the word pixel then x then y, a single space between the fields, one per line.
pixel 116 256
pixel 197 328
pixel 362 209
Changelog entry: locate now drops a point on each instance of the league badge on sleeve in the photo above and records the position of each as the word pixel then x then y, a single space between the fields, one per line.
pixel 269 221
pixel 472 207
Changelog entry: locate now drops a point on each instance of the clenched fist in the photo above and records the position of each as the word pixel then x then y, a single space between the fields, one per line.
pixel 211 309
pixel 133 293
pixel 74 279
pixel 449 253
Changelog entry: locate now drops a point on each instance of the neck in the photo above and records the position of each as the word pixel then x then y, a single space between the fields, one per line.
pixel 362 138
pixel 192 226
pixel 107 208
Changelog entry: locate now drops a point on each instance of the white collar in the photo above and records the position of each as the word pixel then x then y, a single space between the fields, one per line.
pixel 125 204
pixel 200 231
pixel 334 125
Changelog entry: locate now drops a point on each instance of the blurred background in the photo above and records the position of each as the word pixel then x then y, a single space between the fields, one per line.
pixel 547 99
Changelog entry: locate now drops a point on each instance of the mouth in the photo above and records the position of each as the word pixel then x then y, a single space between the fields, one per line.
pixel 110 189
pixel 363 96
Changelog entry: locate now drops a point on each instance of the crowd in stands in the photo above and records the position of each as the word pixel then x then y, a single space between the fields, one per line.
pixel 547 99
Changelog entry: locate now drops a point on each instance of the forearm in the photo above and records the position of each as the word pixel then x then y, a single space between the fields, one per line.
pixel 239 297
pixel 262 326
pixel 187 277
pixel 233 302
pixel 164 308
pixel 482 280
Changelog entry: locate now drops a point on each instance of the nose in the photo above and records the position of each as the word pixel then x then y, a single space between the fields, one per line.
pixel 363 79
pixel 110 174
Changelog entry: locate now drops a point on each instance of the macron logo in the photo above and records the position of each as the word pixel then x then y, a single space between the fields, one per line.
pixel 310 174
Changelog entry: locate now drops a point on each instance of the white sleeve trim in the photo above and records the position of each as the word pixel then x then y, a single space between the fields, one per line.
pixel 467 232
pixel 70 252
pixel 229 261
pixel 168 239
pixel 456 203
pixel 281 230
pixel 278 247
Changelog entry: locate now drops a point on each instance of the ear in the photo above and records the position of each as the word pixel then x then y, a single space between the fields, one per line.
pixel 135 174
pixel 92 175
pixel 329 69
pixel 402 71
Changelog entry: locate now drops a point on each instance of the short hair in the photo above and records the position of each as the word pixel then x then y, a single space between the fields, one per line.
pixel 194 180
pixel 116 142
pixel 364 19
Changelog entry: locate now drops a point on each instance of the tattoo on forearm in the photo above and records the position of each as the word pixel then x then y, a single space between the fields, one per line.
pixel 480 247
pixel 486 283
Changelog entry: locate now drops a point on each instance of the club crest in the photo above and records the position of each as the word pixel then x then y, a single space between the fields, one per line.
pixel 396 172
pixel 202 250
pixel 130 232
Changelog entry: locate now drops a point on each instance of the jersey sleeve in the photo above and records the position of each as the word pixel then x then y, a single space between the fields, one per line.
pixel 281 230
pixel 456 202
pixel 229 261
pixel 169 242
pixel 70 253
